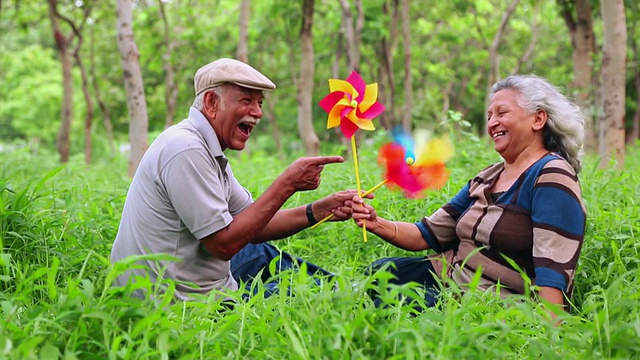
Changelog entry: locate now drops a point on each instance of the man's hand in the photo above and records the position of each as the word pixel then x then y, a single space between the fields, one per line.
pixel 304 173
pixel 336 204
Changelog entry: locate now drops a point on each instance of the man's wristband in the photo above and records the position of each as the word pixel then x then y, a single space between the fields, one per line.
pixel 312 220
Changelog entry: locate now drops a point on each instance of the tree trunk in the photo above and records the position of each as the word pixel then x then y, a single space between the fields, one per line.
pixel 634 134
pixel 62 141
pixel 446 100
pixel 272 117
pixel 242 53
pixel 335 66
pixel 136 101
pixel 353 32
pixel 387 82
pixel 305 83
pixel 408 81
pixel 494 56
pixel 612 126
pixel 170 87
pixel 583 43
pixel 96 90
pixel 88 119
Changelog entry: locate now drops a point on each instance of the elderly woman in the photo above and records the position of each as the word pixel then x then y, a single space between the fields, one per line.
pixel 527 208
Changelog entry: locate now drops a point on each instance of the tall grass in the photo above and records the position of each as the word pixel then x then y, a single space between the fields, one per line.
pixel 57 224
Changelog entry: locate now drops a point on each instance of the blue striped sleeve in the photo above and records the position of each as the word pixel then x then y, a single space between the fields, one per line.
pixel 550 278
pixel 431 241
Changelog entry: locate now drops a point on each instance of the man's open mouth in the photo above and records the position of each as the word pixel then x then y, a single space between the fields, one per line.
pixel 246 128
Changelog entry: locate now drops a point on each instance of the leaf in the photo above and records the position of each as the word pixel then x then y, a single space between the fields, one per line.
pixel 49 352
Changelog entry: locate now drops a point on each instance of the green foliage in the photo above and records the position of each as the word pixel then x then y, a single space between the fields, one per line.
pixel 57 225
pixel 31 94
pixel 449 46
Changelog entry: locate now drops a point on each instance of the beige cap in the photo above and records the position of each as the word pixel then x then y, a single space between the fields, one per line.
pixel 233 71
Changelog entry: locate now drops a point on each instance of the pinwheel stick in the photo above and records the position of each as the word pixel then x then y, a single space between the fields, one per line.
pixel 330 216
pixel 357 171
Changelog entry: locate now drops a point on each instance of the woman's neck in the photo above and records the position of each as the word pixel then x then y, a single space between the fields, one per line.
pixel 513 169
pixel 525 159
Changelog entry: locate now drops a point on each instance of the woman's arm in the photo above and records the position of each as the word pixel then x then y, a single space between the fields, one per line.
pixel 552 295
pixel 404 235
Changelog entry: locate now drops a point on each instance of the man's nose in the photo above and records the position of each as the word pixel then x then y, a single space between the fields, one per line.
pixel 256 110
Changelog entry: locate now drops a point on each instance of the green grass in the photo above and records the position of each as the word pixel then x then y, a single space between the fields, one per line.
pixel 57 225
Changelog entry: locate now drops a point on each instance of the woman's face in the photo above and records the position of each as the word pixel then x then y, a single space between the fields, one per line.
pixel 512 129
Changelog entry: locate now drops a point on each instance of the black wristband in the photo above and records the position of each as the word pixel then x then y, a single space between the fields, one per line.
pixel 312 220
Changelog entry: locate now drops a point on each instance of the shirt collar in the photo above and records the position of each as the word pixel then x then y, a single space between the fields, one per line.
pixel 201 124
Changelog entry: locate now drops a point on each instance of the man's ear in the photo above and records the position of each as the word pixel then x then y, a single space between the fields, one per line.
pixel 539 120
pixel 211 103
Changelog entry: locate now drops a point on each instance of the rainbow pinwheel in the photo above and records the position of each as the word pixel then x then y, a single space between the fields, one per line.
pixel 410 173
pixel 415 169
pixel 352 104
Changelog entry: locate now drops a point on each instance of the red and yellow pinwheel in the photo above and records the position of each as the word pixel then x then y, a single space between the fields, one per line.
pixel 352 104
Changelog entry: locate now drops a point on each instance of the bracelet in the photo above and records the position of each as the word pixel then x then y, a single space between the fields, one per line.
pixel 395 232
pixel 310 217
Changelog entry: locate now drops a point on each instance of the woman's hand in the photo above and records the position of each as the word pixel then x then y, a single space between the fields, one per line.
pixel 362 213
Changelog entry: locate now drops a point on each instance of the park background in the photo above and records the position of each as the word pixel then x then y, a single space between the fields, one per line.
pixel 73 127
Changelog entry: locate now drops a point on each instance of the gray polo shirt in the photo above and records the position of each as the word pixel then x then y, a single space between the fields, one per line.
pixel 183 191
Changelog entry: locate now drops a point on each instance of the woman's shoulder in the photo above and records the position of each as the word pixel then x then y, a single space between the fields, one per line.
pixel 556 163
pixel 557 172
pixel 490 171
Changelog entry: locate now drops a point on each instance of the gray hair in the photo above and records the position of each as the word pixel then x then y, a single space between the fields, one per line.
pixel 198 102
pixel 564 131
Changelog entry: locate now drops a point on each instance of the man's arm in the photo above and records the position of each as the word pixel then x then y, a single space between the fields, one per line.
pixel 302 175
pixel 287 222
pixel 284 223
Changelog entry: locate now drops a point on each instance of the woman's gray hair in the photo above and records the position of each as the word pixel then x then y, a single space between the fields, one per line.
pixel 564 130
pixel 198 102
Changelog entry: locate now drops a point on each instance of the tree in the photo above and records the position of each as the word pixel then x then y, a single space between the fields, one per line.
pixel 582 36
pixel 353 32
pixel 494 59
pixel 106 114
pixel 242 53
pixel 633 87
pixel 305 83
pixel 62 41
pixel 408 81
pixel 136 101
pixel 385 50
pixel 170 86
pixel 611 137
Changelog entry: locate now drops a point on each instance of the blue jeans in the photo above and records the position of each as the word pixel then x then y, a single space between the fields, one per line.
pixel 406 270
pixel 253 258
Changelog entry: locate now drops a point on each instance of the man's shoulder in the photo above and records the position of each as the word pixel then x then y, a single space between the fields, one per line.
pixel 178 138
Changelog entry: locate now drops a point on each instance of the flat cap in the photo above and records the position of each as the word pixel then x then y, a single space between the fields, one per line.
pixel 232 71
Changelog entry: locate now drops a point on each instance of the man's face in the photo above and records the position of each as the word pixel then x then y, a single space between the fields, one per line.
pixel 236 114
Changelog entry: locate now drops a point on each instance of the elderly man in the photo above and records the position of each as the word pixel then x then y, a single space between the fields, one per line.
pixel 184 200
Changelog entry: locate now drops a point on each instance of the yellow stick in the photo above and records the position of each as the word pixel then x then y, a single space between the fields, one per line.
pixel 330 216
pixel 357 171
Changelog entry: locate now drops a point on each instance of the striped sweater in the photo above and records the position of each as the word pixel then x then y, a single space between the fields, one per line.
pixel 538 223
